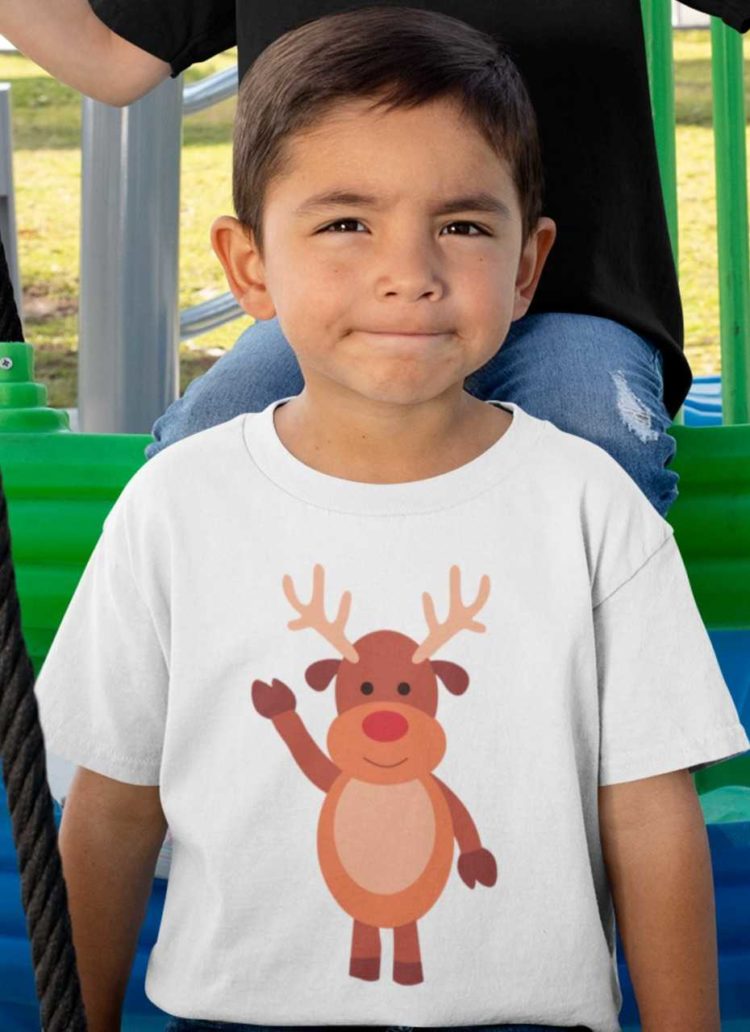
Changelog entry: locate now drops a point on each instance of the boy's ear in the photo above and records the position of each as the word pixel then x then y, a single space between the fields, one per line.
pixel 533 257
pixel 235 248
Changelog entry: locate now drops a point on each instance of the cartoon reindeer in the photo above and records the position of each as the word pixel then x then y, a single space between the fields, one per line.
pixel 386 827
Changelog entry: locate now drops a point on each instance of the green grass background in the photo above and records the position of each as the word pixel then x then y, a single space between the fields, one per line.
pixel 46 139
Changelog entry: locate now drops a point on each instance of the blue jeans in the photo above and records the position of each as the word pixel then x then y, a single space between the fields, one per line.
pixel 197 1024
pixel 589 376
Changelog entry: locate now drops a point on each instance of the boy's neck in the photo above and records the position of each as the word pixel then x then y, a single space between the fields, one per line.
pixel 388 444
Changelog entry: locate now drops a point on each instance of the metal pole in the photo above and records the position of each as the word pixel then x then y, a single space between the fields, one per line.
pixel 128 360
pixel 7 195
pixel 657 25
pixel 731 220
pixel 657 32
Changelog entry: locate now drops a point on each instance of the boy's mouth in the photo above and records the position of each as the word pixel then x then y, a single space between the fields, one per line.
pixel 403 333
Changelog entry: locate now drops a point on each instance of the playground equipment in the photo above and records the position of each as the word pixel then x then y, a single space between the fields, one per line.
pixel 129 323
pixel 61 485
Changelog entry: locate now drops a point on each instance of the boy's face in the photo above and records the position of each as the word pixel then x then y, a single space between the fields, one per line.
pixel 392 299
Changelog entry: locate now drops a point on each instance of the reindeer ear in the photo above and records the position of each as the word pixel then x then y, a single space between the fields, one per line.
pixel 319 675
pixel 454 677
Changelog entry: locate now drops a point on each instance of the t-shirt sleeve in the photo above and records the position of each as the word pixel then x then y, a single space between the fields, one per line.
pixel 102 690
pixel 663 702
pixel 735 13
pixel 180 32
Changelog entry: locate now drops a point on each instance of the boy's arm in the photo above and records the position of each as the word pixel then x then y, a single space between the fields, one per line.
pixel 110 838
pixel 659 865
pixel 67 39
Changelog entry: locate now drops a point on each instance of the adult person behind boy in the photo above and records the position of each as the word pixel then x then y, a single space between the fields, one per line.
pixel 593 690
pixel 600 351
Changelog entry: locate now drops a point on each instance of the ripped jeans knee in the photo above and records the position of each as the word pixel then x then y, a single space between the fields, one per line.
pixel 635 414
pixel 594 378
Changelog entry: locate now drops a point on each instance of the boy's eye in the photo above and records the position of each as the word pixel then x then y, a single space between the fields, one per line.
pixel 341 222
pixel 350 222
pixel 470 224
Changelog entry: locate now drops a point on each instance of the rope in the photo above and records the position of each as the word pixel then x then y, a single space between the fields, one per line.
pixel 43 891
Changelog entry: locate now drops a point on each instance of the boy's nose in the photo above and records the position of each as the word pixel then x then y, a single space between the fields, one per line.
pixel 385 726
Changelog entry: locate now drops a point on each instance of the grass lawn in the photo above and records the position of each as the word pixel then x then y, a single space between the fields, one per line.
pixel 46 127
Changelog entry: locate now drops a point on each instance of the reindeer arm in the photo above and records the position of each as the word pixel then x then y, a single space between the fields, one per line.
pixel 475 863
pixel 464 827
pixel 311 760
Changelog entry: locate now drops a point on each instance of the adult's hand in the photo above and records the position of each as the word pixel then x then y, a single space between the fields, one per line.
pixel 67 39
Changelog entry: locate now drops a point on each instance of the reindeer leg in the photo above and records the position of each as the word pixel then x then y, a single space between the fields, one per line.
pixel 365 958
pixel 407 960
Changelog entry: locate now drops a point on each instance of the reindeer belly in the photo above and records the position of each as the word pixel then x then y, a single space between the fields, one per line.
pixel 385 850
pixel 384 834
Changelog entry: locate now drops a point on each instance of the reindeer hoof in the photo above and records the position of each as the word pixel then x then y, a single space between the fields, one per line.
pixel 272 699
pixel 407 973
pixel 367 968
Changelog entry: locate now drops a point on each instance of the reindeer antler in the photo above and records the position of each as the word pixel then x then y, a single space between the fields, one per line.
pixel 313 614
pixel 459 616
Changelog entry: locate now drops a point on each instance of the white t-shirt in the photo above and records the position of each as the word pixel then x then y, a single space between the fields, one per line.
pixel 574 657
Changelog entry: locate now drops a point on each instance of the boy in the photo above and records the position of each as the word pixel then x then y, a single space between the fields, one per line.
pixel 517 660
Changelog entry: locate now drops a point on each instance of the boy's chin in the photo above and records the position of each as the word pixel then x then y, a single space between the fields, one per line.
pixel 404 392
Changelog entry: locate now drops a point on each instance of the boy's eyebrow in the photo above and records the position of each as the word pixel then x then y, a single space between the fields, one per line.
pixel 481 201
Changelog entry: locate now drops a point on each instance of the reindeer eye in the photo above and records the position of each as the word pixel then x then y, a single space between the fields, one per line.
pixel 404 688
pixel 367 688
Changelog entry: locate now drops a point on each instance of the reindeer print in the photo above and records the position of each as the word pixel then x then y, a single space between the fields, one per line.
pixel 387 824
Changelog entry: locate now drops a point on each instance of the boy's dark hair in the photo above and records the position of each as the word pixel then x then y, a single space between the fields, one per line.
pixel 404 56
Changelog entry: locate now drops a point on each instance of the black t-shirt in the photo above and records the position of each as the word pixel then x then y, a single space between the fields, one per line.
pixel 585 67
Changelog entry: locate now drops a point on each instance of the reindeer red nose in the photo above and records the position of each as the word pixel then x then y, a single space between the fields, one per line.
pixel 385 726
